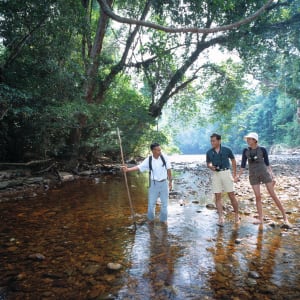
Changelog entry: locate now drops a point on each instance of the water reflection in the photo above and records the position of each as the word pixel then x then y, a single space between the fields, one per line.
pixel 153 257
pixel 82 226
pixel 224 280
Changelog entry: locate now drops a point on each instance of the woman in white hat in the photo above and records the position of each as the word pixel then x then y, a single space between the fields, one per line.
pixel 260 171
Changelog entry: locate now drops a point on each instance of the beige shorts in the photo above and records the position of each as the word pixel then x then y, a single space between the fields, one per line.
pixel 222 182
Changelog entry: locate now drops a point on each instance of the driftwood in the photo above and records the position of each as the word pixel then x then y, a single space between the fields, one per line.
pixel 47 169
pixel 27 164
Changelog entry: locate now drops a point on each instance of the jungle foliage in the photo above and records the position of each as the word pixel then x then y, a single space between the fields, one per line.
pixel 69 75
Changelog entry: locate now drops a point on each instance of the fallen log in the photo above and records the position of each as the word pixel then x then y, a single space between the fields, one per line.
pixel 27 164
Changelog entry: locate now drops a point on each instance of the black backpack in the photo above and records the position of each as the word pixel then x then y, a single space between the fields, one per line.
pixel 150 165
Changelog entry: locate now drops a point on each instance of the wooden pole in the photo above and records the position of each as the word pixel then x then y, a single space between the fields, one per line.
pixel 126 182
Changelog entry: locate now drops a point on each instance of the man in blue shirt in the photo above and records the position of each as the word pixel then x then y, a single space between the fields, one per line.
pixel 217 160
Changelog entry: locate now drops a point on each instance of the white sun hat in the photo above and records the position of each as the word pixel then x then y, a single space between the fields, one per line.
pixel 252 135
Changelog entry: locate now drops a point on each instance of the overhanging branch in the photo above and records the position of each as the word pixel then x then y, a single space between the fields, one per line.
pixel 107 10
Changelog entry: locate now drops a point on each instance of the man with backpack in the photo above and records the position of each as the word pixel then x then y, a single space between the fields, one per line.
pixel 160 181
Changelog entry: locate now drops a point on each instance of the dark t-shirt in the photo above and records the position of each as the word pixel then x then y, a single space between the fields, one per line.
pixel 258 160
pixel 220 158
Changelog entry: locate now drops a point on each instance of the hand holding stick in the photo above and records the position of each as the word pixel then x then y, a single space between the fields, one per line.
pixel 126 182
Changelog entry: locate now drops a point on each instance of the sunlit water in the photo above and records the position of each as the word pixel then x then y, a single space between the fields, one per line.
pixel 58 247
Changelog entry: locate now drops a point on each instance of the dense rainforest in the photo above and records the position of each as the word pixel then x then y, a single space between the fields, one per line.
pixel 72 72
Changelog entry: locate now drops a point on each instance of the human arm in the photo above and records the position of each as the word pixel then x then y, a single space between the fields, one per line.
pixel 272 174
pixel 267 162
pixel 211 166
pixel 131 169
pixel 243 166
pixel 237 177
pixel 142 167
pixel 209 163
pixel 266 157
pixel 170 178
pixel 233 163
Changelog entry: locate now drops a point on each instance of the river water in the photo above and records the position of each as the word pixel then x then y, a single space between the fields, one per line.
pixel 58 245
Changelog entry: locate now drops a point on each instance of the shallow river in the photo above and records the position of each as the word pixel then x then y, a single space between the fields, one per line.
pixel 57 246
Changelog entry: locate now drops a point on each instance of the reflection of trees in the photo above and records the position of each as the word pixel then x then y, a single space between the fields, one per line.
pixel 161 262
pixel 263 261
pixel 246 276
pixel 152 270
pixel 223 279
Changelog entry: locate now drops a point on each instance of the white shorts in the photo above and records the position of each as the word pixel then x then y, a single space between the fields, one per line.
pixel 222 182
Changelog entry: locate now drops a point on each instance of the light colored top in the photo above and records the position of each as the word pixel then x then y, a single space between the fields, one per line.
pixel 159 171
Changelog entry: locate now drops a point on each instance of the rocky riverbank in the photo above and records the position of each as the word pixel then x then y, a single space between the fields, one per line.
pixel 21 182
pixel 194 182
pixel 195 185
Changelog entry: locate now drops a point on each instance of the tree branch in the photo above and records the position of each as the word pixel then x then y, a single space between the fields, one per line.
pixel 121 64
pixel 107 10
pixel 17 49
pixel 156 108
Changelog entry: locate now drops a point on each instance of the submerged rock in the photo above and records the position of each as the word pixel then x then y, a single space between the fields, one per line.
pixel 114 266
pixel 65 176
pixel 91 269
pixel 253 274
pixel 210 206
pixel 37 256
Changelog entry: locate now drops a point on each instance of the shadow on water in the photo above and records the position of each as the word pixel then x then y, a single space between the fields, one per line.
pixel 58 247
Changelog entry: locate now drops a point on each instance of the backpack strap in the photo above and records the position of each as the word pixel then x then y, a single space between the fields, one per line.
pixel 150 169
pixel 150 165
pixel 163 160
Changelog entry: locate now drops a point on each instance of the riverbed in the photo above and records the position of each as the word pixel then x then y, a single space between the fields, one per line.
pixel 58 245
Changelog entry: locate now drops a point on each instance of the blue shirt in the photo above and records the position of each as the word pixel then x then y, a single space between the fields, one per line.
pixel 220 158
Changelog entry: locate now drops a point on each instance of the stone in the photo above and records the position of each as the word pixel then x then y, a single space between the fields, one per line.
pixel 286 226
pixel 253 274
pixel 32 180
pixel 65 176
pixel 114 266
pixel 251 282
pixel 86 173
pixel 4 185
pixel 37 256
pixel 91 269
pixel 210 206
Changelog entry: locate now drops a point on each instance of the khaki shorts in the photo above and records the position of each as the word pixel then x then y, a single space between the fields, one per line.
pixel 222 182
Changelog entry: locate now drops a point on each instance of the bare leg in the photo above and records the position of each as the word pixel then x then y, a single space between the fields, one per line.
pixel 270 188
pixel 235 206
pixel 256 189
pixel 219 205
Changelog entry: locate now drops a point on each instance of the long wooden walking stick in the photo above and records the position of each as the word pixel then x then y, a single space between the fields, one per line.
pixel 126 182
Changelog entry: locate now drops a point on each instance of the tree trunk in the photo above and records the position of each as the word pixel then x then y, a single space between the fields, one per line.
pixel 119 67
pixel 92 69
pixel 155 108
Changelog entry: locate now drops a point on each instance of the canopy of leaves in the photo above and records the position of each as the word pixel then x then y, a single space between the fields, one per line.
pixel 69 75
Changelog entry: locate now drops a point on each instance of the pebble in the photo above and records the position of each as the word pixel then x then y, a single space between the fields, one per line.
pixel 91 269
pixel 253 274
pixel 114 266
pixel 37 256
pixel 210 206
